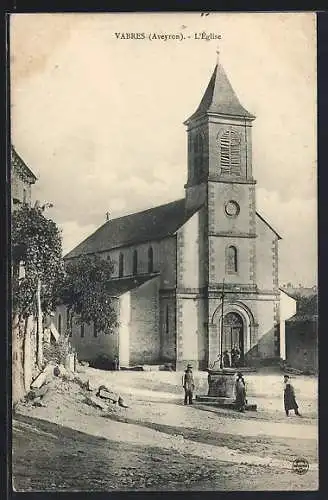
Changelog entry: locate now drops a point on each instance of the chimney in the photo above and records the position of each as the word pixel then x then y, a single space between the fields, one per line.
pixel 107 216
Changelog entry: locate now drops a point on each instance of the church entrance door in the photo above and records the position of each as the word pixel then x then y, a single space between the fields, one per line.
pixel 233 335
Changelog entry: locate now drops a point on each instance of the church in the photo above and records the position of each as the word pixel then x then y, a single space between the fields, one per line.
pixel 197 276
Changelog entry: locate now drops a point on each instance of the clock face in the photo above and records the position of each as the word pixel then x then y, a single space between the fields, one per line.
pixel 232 208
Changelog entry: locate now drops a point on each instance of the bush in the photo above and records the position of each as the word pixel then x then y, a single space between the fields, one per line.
pixel 57 352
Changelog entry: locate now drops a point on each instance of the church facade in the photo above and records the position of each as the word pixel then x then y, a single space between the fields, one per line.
pixel 199 275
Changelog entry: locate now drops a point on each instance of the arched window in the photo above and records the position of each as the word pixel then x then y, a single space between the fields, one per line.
pixel 121 265
pixel 135 262
pixel 82 330
pixel 231 260
pixel 198 156
pixel 68 322
pixel 150 260
pixel 167 325
pixel 59 324
pixel 230 157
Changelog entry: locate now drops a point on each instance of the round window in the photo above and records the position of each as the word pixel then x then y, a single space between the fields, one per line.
pixel 232 208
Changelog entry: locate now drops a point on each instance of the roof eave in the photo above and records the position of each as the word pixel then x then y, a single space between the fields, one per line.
pixel 202 114
pixel 272 229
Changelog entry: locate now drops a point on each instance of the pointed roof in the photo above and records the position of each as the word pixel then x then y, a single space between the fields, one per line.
pixel 220 98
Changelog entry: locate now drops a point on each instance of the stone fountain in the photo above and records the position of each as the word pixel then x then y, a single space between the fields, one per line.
pixel 221 389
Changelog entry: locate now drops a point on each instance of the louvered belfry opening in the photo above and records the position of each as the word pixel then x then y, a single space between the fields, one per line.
pixel 230 157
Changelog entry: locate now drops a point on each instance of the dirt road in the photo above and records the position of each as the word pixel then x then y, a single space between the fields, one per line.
pixel 157 443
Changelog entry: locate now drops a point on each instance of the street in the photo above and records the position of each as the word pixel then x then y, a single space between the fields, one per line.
pixel 158 443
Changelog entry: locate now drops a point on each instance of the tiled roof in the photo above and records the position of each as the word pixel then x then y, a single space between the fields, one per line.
pixel 299 291
pixel 220 98
pixel 148 225
pixel 119 286
pixel 302 318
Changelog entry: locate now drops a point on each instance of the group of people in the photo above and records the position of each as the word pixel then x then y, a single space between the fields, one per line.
pixel 234 362
pixel 240 392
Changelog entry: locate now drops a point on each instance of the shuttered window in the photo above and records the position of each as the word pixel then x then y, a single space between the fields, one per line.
pixel 230 152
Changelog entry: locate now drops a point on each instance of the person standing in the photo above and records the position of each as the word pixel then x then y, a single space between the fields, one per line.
pixel 116 363
pixel 240 388
pixel 226 360
pixel 289 397
pixel 188 385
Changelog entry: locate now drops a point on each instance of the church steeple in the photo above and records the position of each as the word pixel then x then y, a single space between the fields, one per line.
pixel 220 98
pixel 219 139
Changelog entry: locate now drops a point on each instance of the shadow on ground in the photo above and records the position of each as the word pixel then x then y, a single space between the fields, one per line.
pixel 282 448
pixel 49 457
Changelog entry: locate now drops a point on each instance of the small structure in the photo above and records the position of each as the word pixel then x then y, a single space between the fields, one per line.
pixel 221 389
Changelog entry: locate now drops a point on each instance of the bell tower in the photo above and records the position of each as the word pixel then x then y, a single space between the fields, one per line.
pixel 220 178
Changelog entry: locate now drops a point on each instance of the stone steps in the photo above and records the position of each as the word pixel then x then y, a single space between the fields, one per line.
pixel 222 402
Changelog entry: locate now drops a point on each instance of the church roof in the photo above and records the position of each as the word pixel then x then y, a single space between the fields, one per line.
pixel 220 98
pixel 119 286
pixel 148 225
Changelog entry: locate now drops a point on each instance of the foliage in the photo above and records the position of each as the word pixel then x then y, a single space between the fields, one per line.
pixel 36 241
pixel 86 292
pixel 307 306
pixel 58 351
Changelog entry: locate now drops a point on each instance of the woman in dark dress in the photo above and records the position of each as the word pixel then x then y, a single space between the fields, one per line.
pixel 240 388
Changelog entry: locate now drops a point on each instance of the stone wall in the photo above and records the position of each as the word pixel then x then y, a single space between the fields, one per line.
pixel 164 257
pixel 168 326
pixel 17 189
pixel 302 344
pixel 88 343
pixel 266 257
pixel 144 324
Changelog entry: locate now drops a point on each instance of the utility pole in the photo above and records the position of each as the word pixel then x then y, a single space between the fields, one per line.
pixel 40 329
pixel 221 332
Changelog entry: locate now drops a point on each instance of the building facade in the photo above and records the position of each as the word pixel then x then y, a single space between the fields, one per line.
pixel 22 179
pixel 208 262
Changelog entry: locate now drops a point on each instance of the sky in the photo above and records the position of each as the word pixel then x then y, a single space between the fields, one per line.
pixel 99 119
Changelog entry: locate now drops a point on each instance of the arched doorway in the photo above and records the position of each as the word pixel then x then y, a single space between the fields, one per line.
pixel 233 333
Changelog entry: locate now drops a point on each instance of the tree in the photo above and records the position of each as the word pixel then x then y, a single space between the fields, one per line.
pixel 37 244
pixel 307 306
pixel 37 251
pixel 85 291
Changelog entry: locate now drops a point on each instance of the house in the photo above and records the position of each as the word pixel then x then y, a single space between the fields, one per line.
pixel 22 179
pixel 198 275
pixel 302 331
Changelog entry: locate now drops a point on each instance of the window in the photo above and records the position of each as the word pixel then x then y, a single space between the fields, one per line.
pixel 198 156
pixel 24 196
pixel 82 330
pixel 150 260
pixel 59 324
pixel 231 260
pixel 95 334
pixel 229 144
pixel 68 322
pixel 167 319
pixel 135 262
pixel 121 265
